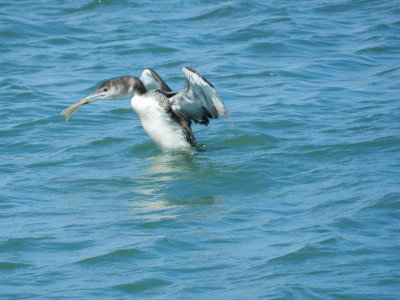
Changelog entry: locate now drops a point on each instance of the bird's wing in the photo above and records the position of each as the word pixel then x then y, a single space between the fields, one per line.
pixel 153 81
pixel 198 101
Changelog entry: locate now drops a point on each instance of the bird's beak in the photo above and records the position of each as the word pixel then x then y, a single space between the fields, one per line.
pixel 93 97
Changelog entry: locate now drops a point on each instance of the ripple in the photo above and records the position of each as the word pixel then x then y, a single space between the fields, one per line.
pixel 245 140
pixel 387 70
pixel 115 256
pixel 170 245
pixel 214 13
pixel 267 46
pixel 389 203
pixel 377 50
pixel 107 140
pixel 142 285
pixel 191 270
pixel 12 266
pixel 18 244
pixel 90 6
pixel 307 253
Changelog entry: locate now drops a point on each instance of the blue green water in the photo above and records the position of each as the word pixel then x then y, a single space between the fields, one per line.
pixel 297 195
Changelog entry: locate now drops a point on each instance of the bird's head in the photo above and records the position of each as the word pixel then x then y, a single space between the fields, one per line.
pixel 109 90
pixel 116 88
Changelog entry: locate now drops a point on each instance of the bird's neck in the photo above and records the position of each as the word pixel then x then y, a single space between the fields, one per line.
pixel 137 86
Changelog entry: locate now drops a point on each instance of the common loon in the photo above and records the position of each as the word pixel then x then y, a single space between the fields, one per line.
pixel 165 115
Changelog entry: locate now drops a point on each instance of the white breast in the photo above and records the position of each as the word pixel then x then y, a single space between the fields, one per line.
pixel 157 123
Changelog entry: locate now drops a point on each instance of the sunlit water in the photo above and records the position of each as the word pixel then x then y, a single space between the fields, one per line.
pixel 294 196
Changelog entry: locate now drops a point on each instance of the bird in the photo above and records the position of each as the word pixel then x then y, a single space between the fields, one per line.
pixel 165 115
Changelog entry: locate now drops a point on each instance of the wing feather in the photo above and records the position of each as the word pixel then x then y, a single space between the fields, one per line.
pixel 153 81
pixel 198 101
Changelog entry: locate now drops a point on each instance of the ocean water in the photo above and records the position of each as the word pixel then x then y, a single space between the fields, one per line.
pixel 296 196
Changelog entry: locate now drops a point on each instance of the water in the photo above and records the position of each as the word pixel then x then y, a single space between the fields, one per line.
pixel 297 195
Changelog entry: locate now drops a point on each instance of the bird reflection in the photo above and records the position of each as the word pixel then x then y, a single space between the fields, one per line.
pixel 166 169
pixel 171 182
pixel 170 165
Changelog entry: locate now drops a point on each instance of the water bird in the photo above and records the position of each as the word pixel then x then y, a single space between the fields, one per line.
pixel 166 115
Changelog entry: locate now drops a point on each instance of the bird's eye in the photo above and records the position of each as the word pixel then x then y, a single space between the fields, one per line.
pixel 105 89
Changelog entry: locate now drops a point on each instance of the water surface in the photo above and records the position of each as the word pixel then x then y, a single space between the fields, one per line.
pixel 297 193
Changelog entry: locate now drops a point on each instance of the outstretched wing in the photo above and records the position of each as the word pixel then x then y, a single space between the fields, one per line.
pixel 153 81
pixel 198 101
